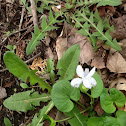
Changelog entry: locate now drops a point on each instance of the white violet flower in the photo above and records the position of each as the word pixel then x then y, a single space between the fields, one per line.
pixel 85 77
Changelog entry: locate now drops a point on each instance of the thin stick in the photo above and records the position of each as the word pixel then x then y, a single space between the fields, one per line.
pixel 15 33
pixel 34 13
pixel 21 20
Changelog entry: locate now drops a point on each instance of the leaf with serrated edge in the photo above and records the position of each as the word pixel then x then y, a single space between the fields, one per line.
pixel 24 101
pixel 38 118
pixel 19 69
pixel 45 27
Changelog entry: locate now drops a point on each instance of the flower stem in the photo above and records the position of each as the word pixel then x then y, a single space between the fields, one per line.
pixel 92 99
pixel 72 117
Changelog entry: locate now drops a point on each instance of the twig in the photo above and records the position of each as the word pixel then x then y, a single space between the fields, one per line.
pixel 15 33
pixel 27 61
pixel 21 20
pixel 34 13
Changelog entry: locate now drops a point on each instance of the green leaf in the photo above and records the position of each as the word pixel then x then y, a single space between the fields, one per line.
pixel 68 63
pixel 97 90
pixel 121 117
pixel 51 18
pixel 109 2
pixel 39 117
pixel 51 120
pixel 19 69
pixel 62 94
pixel 23 1
pixel 11 48
pixel 23 85
pixel 7 122
pixel 114 44
pixel 94 20
pixel 100 26
pixel 107 102
pixel 77 118
pixel 50 65
pixel 50 69
pixel 44 23
pixel 34 42
pixel 117 96
pixel 95 121
pixel 37 37
pixel 25 101
pixel 103 121
pixel 110 121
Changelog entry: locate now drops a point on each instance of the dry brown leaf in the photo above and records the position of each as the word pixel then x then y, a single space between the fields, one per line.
pixel 49 53
pixel 9 84
pixel 39 64
pixel 116 63
pixel 66 40
pixel 61 46
pixel 120 27
pixel 98 62
pixel 99 109
pixel 118 83
pixel 123 45
pixel 3 93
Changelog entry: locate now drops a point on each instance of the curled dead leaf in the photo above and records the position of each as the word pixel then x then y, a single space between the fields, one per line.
pixel 116 63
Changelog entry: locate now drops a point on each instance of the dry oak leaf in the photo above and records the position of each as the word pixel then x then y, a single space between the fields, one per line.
pixel 99 109
pixel 3 93
pixel 116 63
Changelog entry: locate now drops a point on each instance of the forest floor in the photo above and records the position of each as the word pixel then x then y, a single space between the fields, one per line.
pixel 16 26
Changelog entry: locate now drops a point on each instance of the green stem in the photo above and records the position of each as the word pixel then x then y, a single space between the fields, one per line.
pixel 87 94
pixel 71 117
pixel 63 119
pixel 80 104
pixel 85 110
pixel 92 99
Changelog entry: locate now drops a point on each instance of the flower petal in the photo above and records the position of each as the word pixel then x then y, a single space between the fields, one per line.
pixel 86 72
pixel 87 83
pixel 76 82
pixel 91 73
pixel 80 71
pixel 93 82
